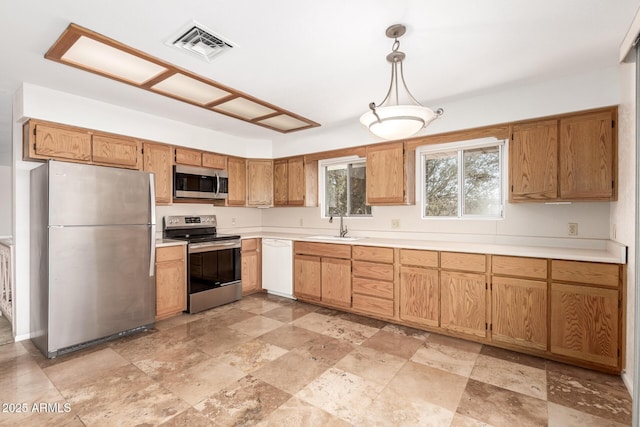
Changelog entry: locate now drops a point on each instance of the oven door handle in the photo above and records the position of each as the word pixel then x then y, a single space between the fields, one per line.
pixel 208 247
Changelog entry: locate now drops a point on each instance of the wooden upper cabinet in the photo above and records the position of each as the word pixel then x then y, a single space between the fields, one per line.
pixel 533 161
pixel 291 186
pixel 280 183
pixel 390 174
pixel 237 170
pixel 587 157
pixel 157 159
pixel 259 182
pixel 185 156
pixel 572 157
pixel 121 152
pixel 46 141
pixel 214 161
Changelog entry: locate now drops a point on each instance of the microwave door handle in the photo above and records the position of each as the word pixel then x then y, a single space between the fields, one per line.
pixel 218 186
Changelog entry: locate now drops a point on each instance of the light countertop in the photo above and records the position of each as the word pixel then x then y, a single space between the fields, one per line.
pixel 161 243
pixel 609 252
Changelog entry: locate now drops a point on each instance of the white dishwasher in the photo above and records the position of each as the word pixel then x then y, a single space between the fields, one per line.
pixel 277 267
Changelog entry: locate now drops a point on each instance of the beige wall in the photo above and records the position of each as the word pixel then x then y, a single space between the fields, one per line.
pixel 5 201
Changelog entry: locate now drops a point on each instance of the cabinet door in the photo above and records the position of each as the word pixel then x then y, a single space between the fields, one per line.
pixel 419 295
pixel 237 170
pixel 533 161
pixel 519 312
pixel 280 183
pixel 157 159
pixel 385 174
pixel 54 142
pixel 463 303
pixel 584 323
pixel 259 182
pixel 184 156
pixel 336 281
pixel 586 157
pixel 214 161
pixel 296 182
pixel 171 288
pixel 116 151
pixel 250 270
pixel 306 277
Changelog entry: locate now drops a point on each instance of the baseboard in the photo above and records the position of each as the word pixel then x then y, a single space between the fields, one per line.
pixel 22 337
pixel 628 381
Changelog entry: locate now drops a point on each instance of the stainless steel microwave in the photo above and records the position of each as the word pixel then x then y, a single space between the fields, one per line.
pixel 192 182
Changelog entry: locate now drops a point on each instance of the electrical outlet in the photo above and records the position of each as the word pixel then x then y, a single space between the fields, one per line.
pixel 301 222
pixel 395 223
pixel 573 229
pixel 233 221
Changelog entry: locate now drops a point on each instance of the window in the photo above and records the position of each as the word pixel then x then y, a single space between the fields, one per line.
pixel 344 189
pixel 463 180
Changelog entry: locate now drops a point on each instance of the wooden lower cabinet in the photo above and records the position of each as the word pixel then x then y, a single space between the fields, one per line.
pixel 251 266
pixel 306 277
pixel 519 312
pixel 336 281
pixel 584 323
pixel 419 295
pixel 463 303
pixel 171 281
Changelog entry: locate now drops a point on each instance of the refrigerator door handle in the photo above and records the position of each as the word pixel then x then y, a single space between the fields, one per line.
pixel 152 197
pixel 152 229
pixel 152 250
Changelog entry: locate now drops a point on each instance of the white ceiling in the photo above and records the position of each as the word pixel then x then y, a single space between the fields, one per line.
pixel 324 60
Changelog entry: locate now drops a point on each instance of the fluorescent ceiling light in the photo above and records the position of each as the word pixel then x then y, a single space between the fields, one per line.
pixel 190 89
pixel 98 56
pixel 244 108
pixel 284 123
pixel 90 51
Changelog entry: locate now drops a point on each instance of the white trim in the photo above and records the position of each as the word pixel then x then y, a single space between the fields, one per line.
pixel 627 43
pixel 458 145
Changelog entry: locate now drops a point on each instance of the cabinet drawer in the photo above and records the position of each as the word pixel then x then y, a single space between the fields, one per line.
pixel 371 287
pixel 249 245
pixel 371 253
pixel 419 258
pixel 323 250
pixel 170 253
pixel 464 262
pixel 373 270
pixel 591 273
pixel 524 267
pixel 373 305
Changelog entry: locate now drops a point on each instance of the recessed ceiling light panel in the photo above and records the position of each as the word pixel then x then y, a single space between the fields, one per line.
pixel 190 89
pixel 98 56
pixel 200 41
pixel 87 50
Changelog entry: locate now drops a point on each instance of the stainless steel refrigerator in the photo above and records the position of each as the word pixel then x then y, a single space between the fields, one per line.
pixel 92 254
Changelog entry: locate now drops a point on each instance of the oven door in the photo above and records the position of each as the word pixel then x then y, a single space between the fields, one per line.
pixel 213 265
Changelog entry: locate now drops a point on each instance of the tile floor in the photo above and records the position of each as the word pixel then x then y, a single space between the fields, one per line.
pixel 270 361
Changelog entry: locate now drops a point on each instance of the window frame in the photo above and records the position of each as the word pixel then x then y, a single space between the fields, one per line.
pixel 460 147
pixel 322 165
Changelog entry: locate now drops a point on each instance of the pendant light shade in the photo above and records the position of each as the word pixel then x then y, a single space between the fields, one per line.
pixel 392 120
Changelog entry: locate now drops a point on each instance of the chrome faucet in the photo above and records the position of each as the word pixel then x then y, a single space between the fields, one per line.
pixel 343 228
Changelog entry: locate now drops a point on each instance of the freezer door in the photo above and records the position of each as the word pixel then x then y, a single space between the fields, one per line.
pixel 97 195
pixel 99 283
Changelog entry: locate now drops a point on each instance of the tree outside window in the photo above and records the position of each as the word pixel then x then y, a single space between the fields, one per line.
pixel 345 190
pixel 463 182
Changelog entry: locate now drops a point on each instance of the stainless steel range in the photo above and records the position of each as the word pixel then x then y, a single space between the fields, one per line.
pixel 213 267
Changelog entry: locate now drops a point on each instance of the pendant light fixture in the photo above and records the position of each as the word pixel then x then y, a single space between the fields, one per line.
pixel 390 119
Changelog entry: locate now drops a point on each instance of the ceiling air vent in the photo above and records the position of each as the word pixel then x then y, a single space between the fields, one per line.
pixel 200 41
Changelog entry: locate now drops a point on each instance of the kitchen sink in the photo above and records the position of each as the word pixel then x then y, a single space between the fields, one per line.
pixel 339 238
